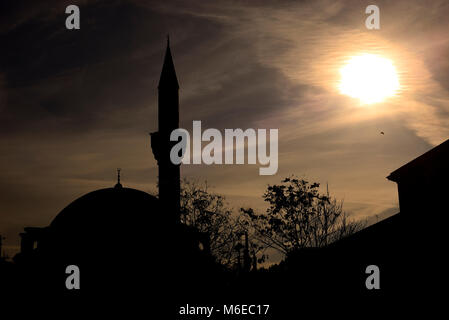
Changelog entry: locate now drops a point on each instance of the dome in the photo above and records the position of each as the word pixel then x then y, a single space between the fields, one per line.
pixel 106 207
pixel 122 239
pixel 118 235
pixel 110 221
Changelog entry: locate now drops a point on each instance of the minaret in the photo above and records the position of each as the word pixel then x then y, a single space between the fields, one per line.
pixel 168 120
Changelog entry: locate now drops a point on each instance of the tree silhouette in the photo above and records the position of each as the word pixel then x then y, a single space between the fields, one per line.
pixel 299 216
pixel 207 212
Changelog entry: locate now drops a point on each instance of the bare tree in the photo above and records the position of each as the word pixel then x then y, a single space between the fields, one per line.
pixel 208 213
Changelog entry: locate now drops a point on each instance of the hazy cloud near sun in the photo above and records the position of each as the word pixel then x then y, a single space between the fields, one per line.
pixel 309 41
pixel 290 54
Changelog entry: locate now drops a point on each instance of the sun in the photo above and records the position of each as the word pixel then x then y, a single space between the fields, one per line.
pixel 369 78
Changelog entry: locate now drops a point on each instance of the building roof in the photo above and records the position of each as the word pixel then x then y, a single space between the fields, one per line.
pixel 378 234
pixel 434 160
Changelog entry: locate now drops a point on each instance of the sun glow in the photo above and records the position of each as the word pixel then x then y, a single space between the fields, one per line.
pixel 369 78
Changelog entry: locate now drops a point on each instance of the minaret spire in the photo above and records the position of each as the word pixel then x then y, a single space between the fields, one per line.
pixel 168 77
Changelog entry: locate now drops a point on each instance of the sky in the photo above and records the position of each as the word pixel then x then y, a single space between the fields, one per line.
pixel 77 104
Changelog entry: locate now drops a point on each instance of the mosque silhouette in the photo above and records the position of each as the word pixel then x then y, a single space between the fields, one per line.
pixel 118 235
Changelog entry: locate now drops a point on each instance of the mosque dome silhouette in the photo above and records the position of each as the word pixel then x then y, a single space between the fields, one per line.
pixel 106 208
pixel 110 222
